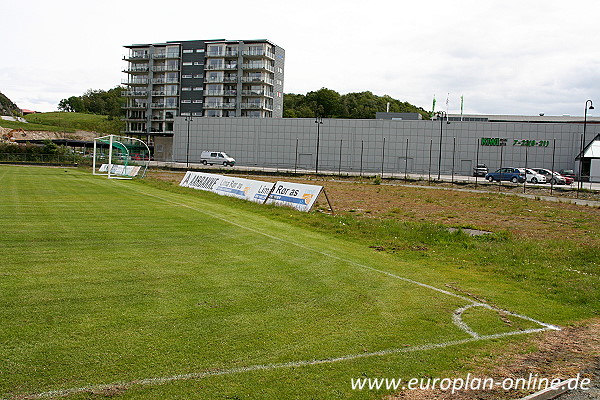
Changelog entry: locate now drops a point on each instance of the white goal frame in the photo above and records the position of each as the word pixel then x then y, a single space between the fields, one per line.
pixel 127 172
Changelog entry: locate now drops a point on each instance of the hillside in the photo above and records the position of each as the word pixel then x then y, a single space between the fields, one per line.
pixel 7 107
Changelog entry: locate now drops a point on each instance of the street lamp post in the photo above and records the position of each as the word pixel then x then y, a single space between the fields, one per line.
pixel 588 106
pixel 187 153
pixel 441 115
pixel 318 121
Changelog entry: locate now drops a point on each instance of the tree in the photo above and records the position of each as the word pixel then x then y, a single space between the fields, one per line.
pixel 329 103
pixel 96 102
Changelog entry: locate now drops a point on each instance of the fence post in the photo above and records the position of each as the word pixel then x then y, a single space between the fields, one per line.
pixel 430 149
pixel 296 161
pixel 340 164
pixel 406 161
pixel 362 147
pixel 382 157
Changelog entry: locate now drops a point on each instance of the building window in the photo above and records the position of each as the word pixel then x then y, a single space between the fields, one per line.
pixel 197 101
pixel 186 101
pixel 197 88
pixel 188 51
pixel 185 114
pixel 186 76
pixel 199 50
pixel 198 63
pixel 187 63
pixel 198 76
pixel 186 89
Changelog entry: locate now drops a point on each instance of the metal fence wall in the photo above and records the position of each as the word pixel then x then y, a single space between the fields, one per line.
pixel 381 146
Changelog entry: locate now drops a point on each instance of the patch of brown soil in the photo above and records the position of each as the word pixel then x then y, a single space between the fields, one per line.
pixel 553 354
pixel 486 211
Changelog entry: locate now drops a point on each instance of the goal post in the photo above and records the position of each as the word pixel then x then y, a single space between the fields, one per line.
pixel 127 157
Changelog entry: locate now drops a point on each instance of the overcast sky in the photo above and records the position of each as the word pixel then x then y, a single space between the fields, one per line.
pixel 505 57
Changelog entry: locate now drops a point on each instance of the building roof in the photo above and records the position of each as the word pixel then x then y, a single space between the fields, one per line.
pixel 522 118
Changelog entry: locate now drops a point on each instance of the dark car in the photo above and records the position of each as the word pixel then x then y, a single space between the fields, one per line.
pixel 480 170
pixel 514 175
pixel 568 172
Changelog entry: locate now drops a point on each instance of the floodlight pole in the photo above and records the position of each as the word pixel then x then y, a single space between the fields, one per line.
pixel 587 107
pixel 319 122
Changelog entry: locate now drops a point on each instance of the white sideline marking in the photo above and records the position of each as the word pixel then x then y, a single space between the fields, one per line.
pixel 456 319
pixel 461 325
pixel 263 367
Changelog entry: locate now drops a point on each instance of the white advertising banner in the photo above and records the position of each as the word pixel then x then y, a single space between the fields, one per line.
pixel 242 188
pixel 119 169
pixel 296 195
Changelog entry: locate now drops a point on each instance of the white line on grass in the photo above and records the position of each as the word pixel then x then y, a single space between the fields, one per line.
pixel 260 367
pixel 456 319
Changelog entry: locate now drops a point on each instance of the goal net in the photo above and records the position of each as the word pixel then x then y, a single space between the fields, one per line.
pixel 120 157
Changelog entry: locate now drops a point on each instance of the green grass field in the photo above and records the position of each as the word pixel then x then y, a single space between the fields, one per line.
pixel 139 290
pixel 67 122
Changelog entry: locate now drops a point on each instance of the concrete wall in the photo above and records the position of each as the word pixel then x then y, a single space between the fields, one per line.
pixel 354 145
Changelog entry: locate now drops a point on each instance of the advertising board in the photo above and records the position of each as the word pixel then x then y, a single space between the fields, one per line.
pixel 242 188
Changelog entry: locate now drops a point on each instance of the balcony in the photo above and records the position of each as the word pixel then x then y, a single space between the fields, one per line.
pixel 220 67
pixel 258 53
pixel 257 93
pixel 134 131
pixel 135 119
pixel 161 56
pixel 134 82
pixel 165 93
pixel 220 92
pixel 256 106
pixel 165 80
pixel 260 79
pixel 134 93
pixel 258 66
pixel 136 57
pixel 136 106
pixel 164 68
pixel 219 106
pixel 137 69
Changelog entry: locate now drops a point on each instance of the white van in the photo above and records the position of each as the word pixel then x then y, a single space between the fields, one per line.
pixel 216 157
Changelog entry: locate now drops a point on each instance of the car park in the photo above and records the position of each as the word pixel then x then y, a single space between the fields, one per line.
pixel 554 177
pixel 532 176
pixel 480 170
pixel 514 175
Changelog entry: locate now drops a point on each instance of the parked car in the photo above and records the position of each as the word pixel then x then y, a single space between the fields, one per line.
pixel 568 172
pixel 514 175
pixel 480 170
pixel 216 157
pixel 554 177
pixel 532 176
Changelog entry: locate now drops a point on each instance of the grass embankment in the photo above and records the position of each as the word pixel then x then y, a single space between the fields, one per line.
pixel 67 122
pixel 105 282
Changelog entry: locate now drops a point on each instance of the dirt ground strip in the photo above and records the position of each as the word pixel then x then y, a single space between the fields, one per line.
pixel 484 210
pixel 552 354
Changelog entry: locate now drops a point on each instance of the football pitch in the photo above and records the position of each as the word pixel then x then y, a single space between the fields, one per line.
pixel 120 288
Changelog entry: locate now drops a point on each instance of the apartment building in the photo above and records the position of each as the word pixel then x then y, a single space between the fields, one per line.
pixel 201 78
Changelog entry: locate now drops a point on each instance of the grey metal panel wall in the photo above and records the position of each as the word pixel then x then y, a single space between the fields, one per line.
pixel 411 146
